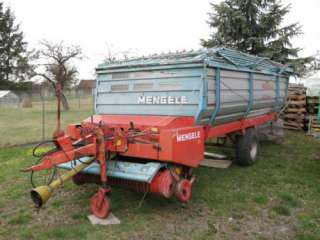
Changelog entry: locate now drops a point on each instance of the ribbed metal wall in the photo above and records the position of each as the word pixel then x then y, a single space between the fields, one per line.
pixel 119 92
pixel 218 85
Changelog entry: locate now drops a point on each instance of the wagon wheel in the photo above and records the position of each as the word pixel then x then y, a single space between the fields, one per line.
pixel 247 148
pixel 100 204
pixel 183 190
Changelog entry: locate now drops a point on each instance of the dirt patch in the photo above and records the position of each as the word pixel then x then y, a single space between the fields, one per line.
pixel 250 227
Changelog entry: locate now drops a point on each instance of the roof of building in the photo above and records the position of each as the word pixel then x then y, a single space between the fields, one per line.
pixel 215 57
pixel 87 83
pixel 313 86
pixel 312 81
pixel 4 93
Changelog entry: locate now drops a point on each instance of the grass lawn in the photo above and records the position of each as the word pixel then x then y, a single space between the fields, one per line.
pixel 23 125
pixel 278 198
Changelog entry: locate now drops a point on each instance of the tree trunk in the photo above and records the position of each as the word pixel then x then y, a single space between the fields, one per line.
pixel 65 103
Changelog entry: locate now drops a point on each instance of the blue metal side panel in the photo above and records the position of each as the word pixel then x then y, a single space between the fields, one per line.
pixel 129 92
pixel 125 170
pixel 251 93
pixel 203 105
pixel 242 85
pixel 277 92
pixel 218 97
pixel 287 88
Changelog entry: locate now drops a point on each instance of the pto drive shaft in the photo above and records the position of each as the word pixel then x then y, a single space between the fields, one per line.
pixel 41 194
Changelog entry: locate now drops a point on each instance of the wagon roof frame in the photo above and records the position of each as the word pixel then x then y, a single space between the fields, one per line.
pixel 223 58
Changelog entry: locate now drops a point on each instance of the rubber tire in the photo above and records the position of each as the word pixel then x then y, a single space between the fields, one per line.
pixel 78 179
pixel 183 190
pixel 244 145
pixel 104 210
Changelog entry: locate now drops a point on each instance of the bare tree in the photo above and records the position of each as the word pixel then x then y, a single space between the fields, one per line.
pixel 111 55
pixel 55 65
pixel 114 55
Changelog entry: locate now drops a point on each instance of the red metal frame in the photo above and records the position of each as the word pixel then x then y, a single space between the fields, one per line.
pixel 173 139
pixel 238 126
pixel 177 140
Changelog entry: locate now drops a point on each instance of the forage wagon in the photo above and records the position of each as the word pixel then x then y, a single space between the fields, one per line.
pixel 153 116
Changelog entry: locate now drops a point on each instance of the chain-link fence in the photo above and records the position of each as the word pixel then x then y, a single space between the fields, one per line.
pixel 33 117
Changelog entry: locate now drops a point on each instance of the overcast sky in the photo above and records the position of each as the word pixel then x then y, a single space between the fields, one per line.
pixel 141 26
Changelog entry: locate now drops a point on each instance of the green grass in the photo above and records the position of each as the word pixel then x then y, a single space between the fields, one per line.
pixel 261 199
pixel 20 218
pixel 23 125
pixel 278 198
pixel 282 210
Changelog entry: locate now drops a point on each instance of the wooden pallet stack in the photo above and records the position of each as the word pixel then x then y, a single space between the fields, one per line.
pixel 313 121
pixel 294 114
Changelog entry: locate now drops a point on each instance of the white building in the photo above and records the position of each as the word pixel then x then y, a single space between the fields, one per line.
pixel 313 85
pixel 8 99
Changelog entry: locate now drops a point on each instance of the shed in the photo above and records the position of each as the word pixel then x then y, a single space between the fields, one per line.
pixel 313 86
pixel 87 86
pixel 8 99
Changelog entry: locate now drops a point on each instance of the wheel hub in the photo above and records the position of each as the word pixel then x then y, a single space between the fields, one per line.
pixel 253 150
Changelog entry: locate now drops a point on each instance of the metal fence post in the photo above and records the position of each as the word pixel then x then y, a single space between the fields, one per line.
pixel 43 114
pixel 78 95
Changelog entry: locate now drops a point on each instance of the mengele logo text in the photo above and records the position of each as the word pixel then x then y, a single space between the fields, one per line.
pixel 162 100
pixel 188 136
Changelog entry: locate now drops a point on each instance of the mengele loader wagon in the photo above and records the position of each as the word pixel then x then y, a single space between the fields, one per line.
pixel 153 116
